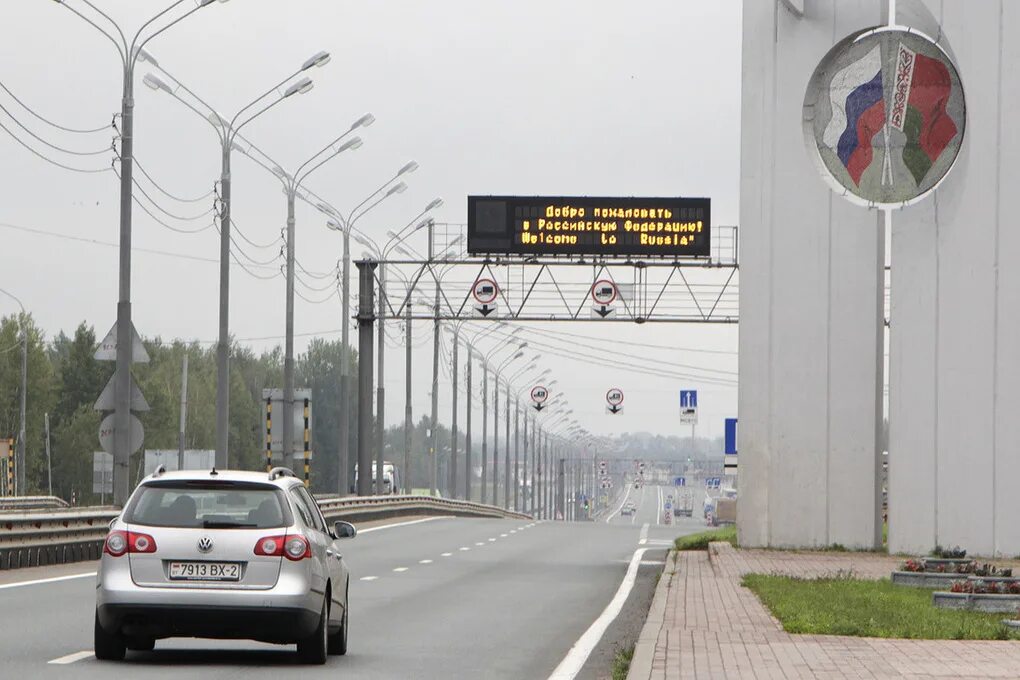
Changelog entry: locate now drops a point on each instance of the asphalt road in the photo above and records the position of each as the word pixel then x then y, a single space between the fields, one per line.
pixel 441 598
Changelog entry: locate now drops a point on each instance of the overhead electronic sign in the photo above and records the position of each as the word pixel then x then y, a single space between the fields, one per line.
pixel 584 225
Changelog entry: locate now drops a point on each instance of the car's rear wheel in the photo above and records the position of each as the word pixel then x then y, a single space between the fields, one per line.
pixel 312 649
pixel 338 641
pixel 107 646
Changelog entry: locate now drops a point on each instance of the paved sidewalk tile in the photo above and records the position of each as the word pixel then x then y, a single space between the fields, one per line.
pixel 715 628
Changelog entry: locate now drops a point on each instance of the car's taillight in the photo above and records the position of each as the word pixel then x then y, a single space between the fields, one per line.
pixel 120 542
pixel 116 543
pixel 297 548
pixel 294 547
pixel 270 546
pixel 141 543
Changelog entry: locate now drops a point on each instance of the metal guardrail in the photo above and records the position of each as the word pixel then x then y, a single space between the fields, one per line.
pixel 31 539
pixel 21 503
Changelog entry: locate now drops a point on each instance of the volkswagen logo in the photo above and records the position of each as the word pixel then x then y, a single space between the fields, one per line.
pixel 204 544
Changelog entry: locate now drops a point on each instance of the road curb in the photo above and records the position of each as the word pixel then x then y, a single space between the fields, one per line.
pixel 644 650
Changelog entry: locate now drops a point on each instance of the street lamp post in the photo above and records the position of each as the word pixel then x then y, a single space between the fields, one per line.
pixel 129 55
pixel 291 184
pixel 345 226
pixel 495 420
pixel 227 132
pixel 20 454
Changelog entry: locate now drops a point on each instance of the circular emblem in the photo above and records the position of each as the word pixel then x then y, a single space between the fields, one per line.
pixel 614 397
pixel 884 116
pixel 539 394
pixel 204 544
pixel 485 291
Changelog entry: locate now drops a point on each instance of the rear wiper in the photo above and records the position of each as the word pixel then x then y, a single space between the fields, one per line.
pixel 206 524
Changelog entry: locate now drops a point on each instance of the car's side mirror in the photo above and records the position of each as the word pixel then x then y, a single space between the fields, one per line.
pixel 344 530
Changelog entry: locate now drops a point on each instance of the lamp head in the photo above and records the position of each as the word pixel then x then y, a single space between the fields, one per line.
pixel 218 120
pixel 143 55
pixel 397 188
pixel 155 83
pixel 350 144
pixel 334 225
pixel 410 166
pixel 364 121
pixel 434 204
pixel 300 87
pixel 318 59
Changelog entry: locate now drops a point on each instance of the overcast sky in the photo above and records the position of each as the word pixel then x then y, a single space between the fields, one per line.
pixel 558 97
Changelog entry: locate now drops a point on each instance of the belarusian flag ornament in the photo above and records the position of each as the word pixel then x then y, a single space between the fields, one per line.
pixel 884 116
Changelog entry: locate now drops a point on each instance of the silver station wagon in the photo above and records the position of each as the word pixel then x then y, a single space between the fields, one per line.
pixel 223 554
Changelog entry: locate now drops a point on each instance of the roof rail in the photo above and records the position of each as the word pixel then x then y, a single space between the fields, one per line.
pixel 159 471
pixel 278 472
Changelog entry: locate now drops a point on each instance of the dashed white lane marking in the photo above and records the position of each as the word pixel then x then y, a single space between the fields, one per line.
pixel 579 653
pixel 399 569
pixel 624 500
pixel 479 543
pixel 492 540
pixel 71 658
pixel 502 535
pixel 446 554
pixel 644 534
pixel 46 580
pixel 368 578
pixel 464 548
pixel 399 524
pixel 513 531
pixel 424 561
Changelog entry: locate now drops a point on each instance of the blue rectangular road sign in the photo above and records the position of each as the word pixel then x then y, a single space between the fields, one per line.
pixel 680 481
pixel 688 399
pixel 731 436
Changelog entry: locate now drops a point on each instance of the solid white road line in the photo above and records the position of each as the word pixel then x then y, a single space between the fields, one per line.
pixel 400 524
pixel 368 578
pixel 71 658
pixel 614 513
pixel 39 581
pixel 574 661
pixel 643 537
pixel 658 509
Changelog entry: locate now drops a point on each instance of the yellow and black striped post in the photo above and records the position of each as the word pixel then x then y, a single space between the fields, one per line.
pixel 10 467
pixel 308 452
pixel 269 434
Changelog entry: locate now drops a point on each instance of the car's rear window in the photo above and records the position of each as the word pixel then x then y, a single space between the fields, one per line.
pixel 209 505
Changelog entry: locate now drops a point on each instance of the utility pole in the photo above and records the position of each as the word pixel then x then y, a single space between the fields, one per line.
pixel 434 448
pixel 561 490
pixel 506 454
pixel 223 344
pixel 380 399
pixel 366 327
pixel 20 465
pixel 49 460
pixel 184 411
pixel 467 432
pixel 534 469
pixel 495 438
pixel 453 422
pixel 343 441
pixel 408 424
pixel 288 358
pixel 517 439
pixel 485 426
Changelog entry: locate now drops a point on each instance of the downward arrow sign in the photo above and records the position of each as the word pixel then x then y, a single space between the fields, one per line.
pixel 604 311
pixel 614 409
pixel 538 407
pixel 485 310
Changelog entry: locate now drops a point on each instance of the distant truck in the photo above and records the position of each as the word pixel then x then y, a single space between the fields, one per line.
pixel 391 478
pixel 684 506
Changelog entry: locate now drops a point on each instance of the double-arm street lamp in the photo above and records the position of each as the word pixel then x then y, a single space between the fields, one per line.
pixel 227 132
pixel 345 225
pixel 129 55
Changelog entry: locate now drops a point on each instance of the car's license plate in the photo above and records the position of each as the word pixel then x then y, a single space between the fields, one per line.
pixel 205 571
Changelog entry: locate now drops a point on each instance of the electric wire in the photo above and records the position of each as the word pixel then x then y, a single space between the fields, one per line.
pixel 46 120
pixel 70 152
pixel 166 193
pixel 235 228
pixel 50 160
pixel 317 302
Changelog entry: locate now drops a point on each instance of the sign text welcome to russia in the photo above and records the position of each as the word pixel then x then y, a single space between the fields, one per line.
pixel 576 225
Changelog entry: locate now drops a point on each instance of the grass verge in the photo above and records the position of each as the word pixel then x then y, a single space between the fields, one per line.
pixel 701 540
pixel 621 664
pixel 865 608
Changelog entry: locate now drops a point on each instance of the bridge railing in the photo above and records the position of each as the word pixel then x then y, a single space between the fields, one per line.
pixel 37 538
